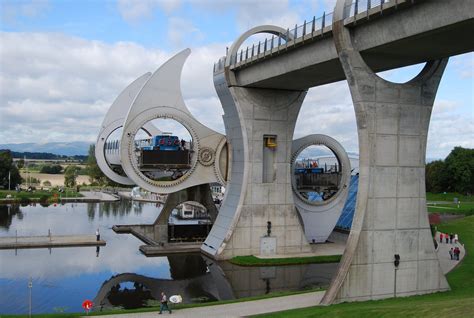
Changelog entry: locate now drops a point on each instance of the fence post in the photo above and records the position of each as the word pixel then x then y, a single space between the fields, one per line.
pixel 323 23
pixel 287 36
pixel 253 47
pixel 265 46
pixel 271 45
pixel 356 9
pixel 241 54
pixel 368 9
pixel 296 30
pixel 304 29
pixel 247 53
pixel 313 27
pixel 258 50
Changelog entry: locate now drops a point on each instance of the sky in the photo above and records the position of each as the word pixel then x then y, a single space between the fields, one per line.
pixel 63 62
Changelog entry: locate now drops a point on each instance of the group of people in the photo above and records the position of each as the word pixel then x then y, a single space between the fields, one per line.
pixel 449 238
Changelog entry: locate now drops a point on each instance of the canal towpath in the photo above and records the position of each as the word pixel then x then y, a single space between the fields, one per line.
pixel 240 309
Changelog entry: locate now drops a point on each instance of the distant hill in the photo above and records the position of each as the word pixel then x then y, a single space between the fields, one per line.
pixel 58 148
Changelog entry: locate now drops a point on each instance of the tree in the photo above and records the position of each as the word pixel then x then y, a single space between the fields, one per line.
pixel 95 174
pixel 460 168
pixel 20 163
pixel 53 169
pixel 454 174
pixel 70 176
pixel 436 177
pixel 8 168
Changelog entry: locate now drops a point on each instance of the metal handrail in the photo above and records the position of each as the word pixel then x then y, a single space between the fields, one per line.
pixel 308 30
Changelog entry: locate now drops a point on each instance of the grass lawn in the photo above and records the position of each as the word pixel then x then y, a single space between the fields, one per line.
pixel 459 302
pixel 38 194
pixel 466 208
pixel 448 197
pixel 255 261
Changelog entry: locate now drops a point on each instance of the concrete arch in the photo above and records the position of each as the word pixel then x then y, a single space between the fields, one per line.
pixel 320 218
pixel 271 29
pixel 392 123
pixel 344 43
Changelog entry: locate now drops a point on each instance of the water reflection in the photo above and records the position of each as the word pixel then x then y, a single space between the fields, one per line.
pixel 64 277
pixel 199 279
pixel 7 212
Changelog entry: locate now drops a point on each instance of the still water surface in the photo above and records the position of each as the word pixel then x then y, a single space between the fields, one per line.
pixel 118 275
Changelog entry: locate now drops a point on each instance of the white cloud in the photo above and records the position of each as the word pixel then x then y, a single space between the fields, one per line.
pixel 58 88
pixel 135 10
pixel 182 30
pixel 464 65
pixel 12 10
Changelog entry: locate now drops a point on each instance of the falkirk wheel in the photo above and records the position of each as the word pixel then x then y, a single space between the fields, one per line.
pixel 265 209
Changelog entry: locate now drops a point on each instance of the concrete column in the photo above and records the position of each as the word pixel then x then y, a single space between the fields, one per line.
pixel 259 189
pixel 391 216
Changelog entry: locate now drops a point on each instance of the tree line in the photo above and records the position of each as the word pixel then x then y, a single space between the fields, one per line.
pixel 453 174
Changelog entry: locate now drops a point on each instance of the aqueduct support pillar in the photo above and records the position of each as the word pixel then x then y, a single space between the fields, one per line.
pixel 259 126
pixel 391 217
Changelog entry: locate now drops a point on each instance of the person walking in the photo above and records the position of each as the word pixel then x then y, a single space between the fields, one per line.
pixel 451 237
pixel 441 237
pixel 457 251
pixel 164 303
pixel 97 234
pixel 446 237
pixel 456 238
pixel 451 253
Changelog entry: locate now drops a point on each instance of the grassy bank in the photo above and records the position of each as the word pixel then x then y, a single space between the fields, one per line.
pixel 459 302
pixel 255 261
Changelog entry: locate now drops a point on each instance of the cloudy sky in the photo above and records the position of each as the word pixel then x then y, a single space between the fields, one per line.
pixel 62 63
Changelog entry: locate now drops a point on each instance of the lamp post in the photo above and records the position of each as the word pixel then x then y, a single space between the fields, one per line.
pixel 30 287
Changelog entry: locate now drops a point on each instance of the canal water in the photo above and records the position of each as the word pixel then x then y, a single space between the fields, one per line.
pixel 118 275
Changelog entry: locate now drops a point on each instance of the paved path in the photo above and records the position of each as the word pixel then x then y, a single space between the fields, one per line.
pixel 99 196
pixel 443 254
pixel 241 309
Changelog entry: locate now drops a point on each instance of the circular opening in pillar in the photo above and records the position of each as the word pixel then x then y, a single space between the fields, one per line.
pixel 166 153
pixel 402 74
pixel 317 174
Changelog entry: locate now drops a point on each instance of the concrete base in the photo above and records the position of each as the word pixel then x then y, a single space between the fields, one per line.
pixel 268 245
